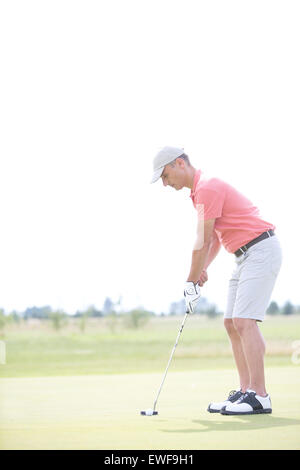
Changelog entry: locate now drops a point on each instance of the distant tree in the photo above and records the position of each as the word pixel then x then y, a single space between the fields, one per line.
pixel 2 319
pixel 13 317
pixel 212 311
pixel 202 306
pixel 288 308
pixel 117 306
pixel 273 308
pixel 177 308
pixel 58 319
pixel 91 311
pixel 37 312
pixel 78 314
pixel 83 316
pixel 83 321
pixel 111 321
pixel 94 312
pixel 136 318
pixel 297 309
pixel 108 306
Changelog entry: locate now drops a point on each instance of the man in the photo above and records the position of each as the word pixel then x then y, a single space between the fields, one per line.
pixel 226 217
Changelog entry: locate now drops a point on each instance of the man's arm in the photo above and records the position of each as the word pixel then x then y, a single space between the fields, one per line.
pixel 203 256
pixel 214 249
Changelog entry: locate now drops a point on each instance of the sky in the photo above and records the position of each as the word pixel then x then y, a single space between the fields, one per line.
pixel 90 91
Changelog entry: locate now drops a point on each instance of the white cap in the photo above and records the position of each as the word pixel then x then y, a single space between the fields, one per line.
pixel 165 155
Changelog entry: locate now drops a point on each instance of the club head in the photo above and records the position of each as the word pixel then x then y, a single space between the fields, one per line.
pixel 149 412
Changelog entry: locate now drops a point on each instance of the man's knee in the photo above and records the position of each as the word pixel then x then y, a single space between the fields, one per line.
pixel 229 326
pixel 242 325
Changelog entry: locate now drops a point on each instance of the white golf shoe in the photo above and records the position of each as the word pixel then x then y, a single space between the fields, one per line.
pixel 248 404
pixel 233 396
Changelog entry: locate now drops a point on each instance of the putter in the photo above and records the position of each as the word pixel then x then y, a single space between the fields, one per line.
pixel 151 411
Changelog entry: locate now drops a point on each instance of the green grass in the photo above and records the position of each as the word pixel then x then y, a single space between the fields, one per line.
pixel 103 412
pixel 34 350
pixel 73 390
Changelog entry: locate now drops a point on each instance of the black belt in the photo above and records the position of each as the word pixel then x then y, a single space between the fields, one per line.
pixel 261 237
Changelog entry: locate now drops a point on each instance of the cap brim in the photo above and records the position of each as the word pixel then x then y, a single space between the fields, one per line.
pixel 157 174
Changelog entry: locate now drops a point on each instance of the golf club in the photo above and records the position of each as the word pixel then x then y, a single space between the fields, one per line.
pixel 151 411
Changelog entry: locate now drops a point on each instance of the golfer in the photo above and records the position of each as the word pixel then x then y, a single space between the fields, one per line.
pixel 226 217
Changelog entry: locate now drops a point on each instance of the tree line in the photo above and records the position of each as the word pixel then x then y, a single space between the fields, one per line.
pixel 133 318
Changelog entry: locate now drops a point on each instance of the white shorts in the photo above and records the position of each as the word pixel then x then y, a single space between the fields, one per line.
pixel 253 280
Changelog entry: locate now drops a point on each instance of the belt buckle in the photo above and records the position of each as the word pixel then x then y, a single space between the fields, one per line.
pixel 245 248
pixel 240 251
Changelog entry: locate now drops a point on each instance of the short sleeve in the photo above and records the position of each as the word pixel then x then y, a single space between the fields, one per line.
pixel 212 202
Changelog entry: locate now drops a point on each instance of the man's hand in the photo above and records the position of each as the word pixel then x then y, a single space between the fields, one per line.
pixel 203 278
pixel 192 295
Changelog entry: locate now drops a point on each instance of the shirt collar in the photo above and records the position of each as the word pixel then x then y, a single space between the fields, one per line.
pixel 195 182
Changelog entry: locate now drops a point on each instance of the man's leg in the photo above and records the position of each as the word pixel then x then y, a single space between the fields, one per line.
pixel 238 353
pixel 242 366
pixel 254 350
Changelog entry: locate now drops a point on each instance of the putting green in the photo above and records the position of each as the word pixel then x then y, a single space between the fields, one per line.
pixel 103 412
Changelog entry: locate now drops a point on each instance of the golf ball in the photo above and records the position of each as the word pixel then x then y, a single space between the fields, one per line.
pixel 149 412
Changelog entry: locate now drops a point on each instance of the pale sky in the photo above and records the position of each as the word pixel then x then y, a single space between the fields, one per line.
pixel 90 90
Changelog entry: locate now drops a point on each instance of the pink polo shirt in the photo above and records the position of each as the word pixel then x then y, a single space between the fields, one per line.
pixel 237 219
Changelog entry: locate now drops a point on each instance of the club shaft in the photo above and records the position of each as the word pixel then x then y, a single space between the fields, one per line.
pixel 173 350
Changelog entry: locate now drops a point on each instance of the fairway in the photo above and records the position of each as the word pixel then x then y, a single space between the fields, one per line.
pixel 36 350
pixel 74 390
pixel 102 412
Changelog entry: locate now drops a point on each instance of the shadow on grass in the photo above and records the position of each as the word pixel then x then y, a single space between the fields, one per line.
pixel 239 423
